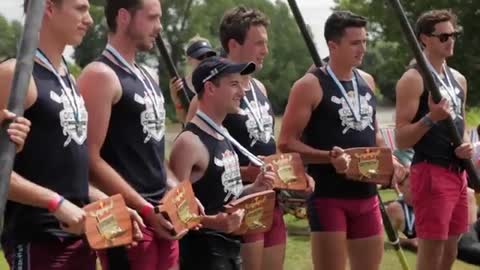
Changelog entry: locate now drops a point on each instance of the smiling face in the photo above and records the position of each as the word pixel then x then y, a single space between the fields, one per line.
pixel 68 19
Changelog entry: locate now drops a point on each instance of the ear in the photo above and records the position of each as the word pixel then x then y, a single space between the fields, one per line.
pixel 209 89
pixel 232 44
pixel 49 7
pixel 123 17
pixel 332 45
pixel 422 38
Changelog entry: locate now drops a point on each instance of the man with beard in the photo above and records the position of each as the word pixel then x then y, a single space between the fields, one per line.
pixel 126 137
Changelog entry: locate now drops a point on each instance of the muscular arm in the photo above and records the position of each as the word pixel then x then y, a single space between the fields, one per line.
pixel 101 89
pixel 305 95
pixel 192 110
pixel 22 190
pixel 408 91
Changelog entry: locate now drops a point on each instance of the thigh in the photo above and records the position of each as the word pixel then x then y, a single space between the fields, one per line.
pixel 277 235
pixel 329 250
pixel 326 215
pixel 252 255
pixel 459 221
pixel 274 257
pixel 366 253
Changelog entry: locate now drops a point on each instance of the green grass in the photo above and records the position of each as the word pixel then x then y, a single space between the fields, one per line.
pixel 298 255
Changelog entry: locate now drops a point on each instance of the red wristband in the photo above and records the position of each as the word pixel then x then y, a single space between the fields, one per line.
pixel 147 210
pixel 179 106
pixel 55 203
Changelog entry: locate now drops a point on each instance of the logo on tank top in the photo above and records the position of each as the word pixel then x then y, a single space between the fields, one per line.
pixel 455 111
pixel 73 117
pixel 152 118
pixel 266 120
pixel 347 117
pixel 231 179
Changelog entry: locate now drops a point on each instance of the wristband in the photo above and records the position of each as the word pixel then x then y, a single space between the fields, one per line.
pixel 427 121
pixel 54 203
pixel 147 210
pixel 178 106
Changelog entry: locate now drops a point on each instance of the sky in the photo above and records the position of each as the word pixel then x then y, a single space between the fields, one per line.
pixel 315 12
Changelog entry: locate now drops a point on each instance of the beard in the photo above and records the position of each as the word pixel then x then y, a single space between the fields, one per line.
pixel 138 38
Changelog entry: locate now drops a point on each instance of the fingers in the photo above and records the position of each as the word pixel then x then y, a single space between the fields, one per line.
pixel 136 218
pixel 164 222
pixel 180 234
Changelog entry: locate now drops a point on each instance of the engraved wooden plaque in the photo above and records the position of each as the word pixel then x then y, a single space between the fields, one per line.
pixel 371 164
pixel 289 170
pixel 258 212
pixel 108 223
pixel 180 207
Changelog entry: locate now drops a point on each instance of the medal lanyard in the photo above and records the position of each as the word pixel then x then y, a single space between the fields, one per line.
pixel 355 111
pixel 257 114
pixel 70 95
pixel 449 87
pixel 150 90
pixel 409 221
pixel 220 130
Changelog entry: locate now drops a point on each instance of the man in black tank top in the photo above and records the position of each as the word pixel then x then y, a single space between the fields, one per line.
pixel 244 38
pixel 438 180
pixel 204 155
pixel 49 186
pixel 127 128
pixel 328 110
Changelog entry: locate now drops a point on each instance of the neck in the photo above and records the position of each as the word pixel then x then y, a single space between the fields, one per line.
pixel 342 72
pixel 124 46
pixel 52 47
pixel 211 111
pixel 435 60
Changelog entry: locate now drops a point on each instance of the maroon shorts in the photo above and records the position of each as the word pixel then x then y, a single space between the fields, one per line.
pixel 439 197
pixel 52 254
pixel 277 235
pixel 359 218
pixel 152 253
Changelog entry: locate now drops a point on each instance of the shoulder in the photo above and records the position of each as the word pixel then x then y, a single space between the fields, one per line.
pixel 459 77
pixel 7 72
pixel 261 86
pixel 98 75
pixel 368 79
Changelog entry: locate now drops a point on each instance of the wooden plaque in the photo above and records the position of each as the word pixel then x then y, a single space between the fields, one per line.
pixel 290 172
pixel 258 212
pixel 371 164
pixel 180 207
pixel 108 223
pixel 294 202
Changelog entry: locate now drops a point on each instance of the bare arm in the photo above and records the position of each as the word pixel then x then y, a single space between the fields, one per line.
pixel 101 89
pixel 192 110
pixel 408 91
pixel 305 95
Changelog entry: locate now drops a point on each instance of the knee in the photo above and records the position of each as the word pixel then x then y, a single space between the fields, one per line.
pixel 450 254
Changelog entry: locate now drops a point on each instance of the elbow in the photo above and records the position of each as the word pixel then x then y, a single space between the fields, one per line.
pixel 284 145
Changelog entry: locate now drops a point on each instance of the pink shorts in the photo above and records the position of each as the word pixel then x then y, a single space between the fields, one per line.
pixel 359 218
pixel 439 197
pixel 152 253
pixel 277 234
pixel 54 254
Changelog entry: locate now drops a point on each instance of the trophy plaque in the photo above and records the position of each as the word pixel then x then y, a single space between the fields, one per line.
pixel 289 170
pixel 180 207
pixel 258 212
pixel 108 223
pixel 371 165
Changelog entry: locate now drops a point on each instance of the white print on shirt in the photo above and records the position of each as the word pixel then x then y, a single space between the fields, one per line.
pixel 255 134
pixel 346 115
pixel 153 124
pixel 231 178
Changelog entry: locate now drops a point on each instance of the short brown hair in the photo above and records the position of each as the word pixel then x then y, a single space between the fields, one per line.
pixel 237 21
pixel 25 4
pixel 427 21
pixel 113 6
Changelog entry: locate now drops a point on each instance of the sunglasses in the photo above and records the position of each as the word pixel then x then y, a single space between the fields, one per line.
pixel 443 37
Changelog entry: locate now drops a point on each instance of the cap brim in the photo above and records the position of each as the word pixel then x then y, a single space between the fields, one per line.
pixel 243 69
pixel 202 51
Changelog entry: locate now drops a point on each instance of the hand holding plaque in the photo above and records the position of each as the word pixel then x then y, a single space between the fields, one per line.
pixel 108 223
pixel 370 164
pixel 180 207
pixel 258 214
pixel 289 171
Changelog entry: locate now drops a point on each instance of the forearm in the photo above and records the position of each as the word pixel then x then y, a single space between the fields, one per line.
pixel 104 177
pixel 95 194
pixel 408 135
pixel 210 222
pixel 26 192
pixel 172 180
pixel 309 154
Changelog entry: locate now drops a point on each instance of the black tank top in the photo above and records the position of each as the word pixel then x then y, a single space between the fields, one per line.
pixel 435 145
pixel 332 124
pixel 244 128
pixel 54 156
pixel 135 142
pixel 221 181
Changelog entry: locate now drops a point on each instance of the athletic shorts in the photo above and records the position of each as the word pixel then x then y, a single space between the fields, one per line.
pixel 359 218
pixel 439 197
pixel 277 235
pixel 151 253
pixel 56 253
